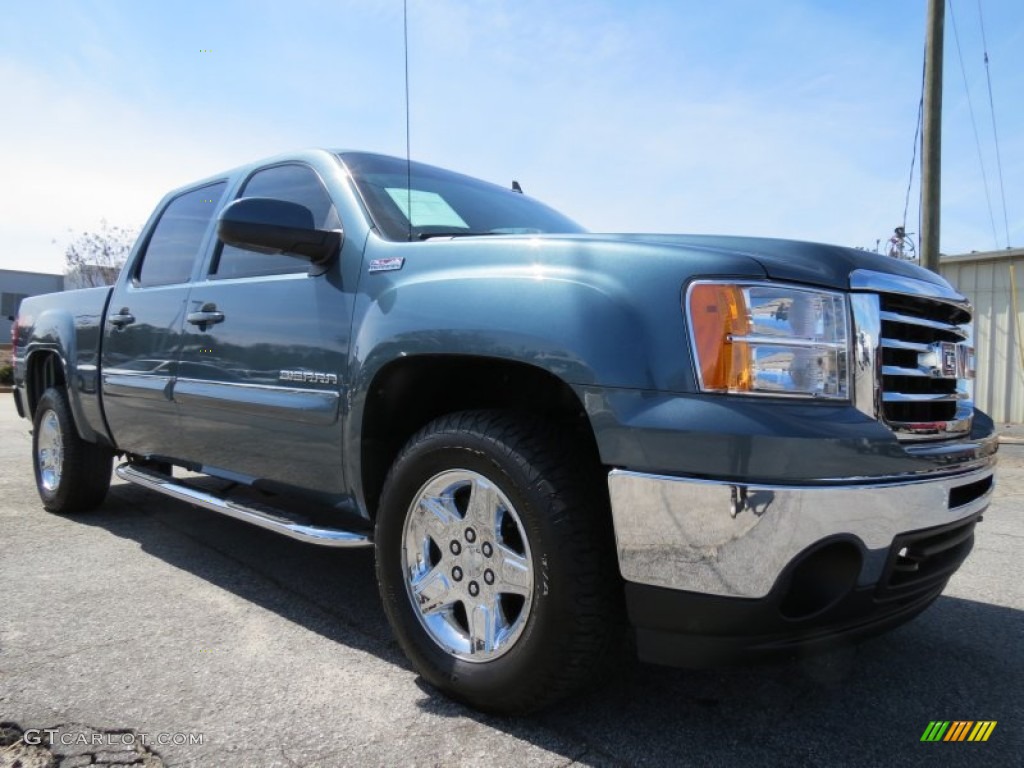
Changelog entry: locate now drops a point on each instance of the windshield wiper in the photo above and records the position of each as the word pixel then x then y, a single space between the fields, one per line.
pixel 457 233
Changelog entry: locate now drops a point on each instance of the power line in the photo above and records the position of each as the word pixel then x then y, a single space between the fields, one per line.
pixel 974 125
pixel 995 134
pixel 913 155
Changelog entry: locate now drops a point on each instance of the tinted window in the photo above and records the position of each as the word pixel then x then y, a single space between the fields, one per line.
pixel 439 202
pixel 295 184
pixel 175 241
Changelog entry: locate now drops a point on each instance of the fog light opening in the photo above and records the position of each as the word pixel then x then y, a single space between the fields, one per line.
pixel 821 579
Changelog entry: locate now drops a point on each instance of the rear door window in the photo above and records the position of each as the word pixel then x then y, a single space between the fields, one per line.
pixel 177 237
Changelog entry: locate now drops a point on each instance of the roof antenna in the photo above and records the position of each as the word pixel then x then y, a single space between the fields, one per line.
pixel 408 152
pixel 516 187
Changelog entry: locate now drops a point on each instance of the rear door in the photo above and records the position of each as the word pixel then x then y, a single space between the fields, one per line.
pixel 264 353
pixel 143 332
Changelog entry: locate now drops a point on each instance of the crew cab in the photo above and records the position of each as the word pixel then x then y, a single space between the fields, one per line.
pixel 736 447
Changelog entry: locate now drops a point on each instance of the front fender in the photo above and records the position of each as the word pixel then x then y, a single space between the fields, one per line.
pixel 591 314
pixel 583 333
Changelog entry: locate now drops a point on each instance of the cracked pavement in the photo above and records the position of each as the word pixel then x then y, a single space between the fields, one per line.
pixel 152 617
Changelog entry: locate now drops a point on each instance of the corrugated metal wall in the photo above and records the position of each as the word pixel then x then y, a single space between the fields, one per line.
pixel 985 278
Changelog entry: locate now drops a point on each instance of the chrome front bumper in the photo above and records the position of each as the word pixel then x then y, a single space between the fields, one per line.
pixel 735 540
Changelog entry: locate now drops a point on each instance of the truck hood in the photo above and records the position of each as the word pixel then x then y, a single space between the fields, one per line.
pixel 813 263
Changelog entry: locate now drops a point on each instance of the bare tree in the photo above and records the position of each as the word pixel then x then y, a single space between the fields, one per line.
pixel 95 258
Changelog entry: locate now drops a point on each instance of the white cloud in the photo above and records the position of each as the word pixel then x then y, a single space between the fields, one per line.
pixel 80 153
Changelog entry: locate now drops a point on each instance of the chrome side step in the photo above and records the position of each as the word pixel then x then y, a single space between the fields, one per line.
pixel 265 517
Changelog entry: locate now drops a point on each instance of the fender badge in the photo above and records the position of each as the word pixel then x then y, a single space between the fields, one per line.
pixel 387 265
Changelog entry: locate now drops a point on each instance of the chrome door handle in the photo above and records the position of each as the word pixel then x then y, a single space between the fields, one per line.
pixel 121 319
pixel 208 315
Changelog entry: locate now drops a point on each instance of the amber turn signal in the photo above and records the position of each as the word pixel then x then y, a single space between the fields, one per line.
pixel 719 312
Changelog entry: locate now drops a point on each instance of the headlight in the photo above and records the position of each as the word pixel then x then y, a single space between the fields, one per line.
pixel 769 339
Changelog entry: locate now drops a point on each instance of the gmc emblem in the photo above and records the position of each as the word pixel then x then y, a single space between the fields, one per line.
pixel 947 354
pixel 945 360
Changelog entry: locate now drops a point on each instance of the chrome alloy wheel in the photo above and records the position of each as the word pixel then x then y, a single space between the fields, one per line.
pixel 467 565
pixel 50 451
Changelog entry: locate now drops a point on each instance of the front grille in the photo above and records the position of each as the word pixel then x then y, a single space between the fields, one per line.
pixel 925 361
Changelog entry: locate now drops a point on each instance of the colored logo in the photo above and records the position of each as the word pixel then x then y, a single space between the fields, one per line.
pixel 958 730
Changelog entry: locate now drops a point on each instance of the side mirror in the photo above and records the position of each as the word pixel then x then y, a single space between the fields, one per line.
pixel 267 225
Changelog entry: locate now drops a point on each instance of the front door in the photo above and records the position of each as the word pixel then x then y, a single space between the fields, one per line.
pixel 264 353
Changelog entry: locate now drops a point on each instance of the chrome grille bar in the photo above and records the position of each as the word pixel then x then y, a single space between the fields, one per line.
pixel 913 356
pixel 893 317
pixel 911 345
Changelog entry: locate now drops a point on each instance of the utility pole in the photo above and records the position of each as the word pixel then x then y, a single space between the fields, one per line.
pixel 931 136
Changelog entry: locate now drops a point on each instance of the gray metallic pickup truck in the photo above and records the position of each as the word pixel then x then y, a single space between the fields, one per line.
pixel 737 447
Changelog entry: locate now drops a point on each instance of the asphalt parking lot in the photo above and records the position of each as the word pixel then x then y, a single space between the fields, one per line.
pixel 151 620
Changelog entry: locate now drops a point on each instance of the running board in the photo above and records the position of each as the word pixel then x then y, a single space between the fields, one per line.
pixel 265 517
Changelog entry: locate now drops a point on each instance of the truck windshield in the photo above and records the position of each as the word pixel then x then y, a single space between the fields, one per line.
pixel 442 203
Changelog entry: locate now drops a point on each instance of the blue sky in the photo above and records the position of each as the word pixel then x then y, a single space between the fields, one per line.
pixel 791 118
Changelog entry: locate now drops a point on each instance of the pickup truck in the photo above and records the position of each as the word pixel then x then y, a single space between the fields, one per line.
pixel 719 448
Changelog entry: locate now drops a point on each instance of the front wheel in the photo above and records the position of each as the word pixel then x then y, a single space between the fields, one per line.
pixel 71 474
pixel 495 560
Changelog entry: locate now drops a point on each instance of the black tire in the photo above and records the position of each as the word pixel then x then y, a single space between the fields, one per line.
pixel 568 622
pixel 71 474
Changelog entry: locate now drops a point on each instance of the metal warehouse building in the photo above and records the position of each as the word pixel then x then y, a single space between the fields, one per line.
pixel 15 286
pixel 994 282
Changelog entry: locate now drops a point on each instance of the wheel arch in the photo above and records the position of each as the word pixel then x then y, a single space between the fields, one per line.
pixel 46 367
pixel 410 392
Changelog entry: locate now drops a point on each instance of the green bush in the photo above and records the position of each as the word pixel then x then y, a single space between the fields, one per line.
pixel 6 374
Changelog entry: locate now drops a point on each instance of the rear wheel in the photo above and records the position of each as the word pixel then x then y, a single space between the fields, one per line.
pixel 495 560
pixel 71 474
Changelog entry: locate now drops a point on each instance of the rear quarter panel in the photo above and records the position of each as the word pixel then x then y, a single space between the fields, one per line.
pixel 69 325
